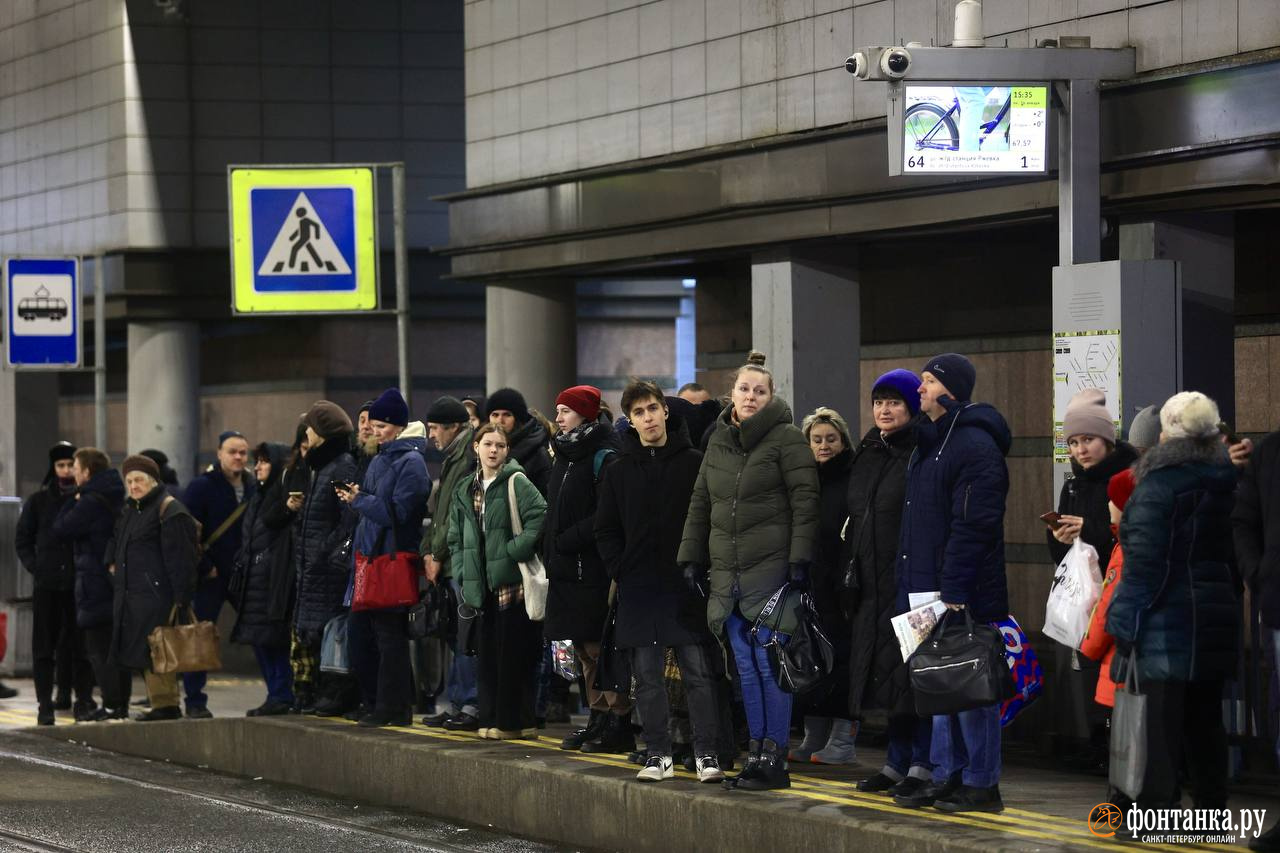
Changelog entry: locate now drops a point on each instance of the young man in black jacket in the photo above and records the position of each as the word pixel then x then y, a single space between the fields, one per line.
pixel 56 642
pixel 639 523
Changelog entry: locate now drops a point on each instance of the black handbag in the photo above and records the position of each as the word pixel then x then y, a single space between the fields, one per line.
pixel 613 665
pixel 959 667
pixel 436 613
pixel 807 658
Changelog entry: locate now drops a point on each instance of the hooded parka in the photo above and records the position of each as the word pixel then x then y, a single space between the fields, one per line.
pixel 154 553
pixel 528 442
pixel 578 595
pixel 485 560
pixel 88 523
pixel 754 511
pixel 262 584
pixel 322 551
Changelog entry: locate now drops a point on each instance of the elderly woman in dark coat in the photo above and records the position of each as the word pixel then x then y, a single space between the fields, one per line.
pixel 261 587
pixel 153 558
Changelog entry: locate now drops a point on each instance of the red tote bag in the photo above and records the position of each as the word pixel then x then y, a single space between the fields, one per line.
pixel 384 581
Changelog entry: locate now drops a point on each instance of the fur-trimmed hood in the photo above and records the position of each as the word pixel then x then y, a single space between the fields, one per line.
pixel 1181 451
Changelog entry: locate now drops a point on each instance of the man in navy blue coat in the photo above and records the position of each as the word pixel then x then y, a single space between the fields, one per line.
pixel 952 542
pixel 215 498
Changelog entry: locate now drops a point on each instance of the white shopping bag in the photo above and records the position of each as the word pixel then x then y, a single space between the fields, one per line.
pixel 1077 584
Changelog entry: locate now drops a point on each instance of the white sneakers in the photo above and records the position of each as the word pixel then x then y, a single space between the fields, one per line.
pixel 709 769
pixel 657 768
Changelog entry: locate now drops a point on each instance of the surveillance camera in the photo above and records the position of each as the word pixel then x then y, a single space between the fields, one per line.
pixel 858 66
pixel 894 63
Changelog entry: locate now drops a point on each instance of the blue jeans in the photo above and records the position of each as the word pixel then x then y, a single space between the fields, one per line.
pixel 968 743
pixel 461 685
pixel 910 739
pixel 768 707
pixel 211 594
pixel 277 672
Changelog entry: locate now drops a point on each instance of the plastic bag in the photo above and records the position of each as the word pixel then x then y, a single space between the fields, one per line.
pixel 565 659
pixel 1129 733
pixel 1024 666
pixel 1077 585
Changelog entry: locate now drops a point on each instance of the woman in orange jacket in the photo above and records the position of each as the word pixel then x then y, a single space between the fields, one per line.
pixel 1097 643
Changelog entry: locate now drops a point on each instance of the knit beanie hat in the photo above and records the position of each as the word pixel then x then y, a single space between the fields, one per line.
pixel 226 434
pixel 1144 429
pixel 1189 414
pixel 899 383
pixel 1087 415
pixel 364 407
pixel 60 451
pixel 1120 487
pixel 447 410
pixel 508 400
pixel 327 419
pixel 583 399
pixel 956 372
pixel 390 408
pixel 138 462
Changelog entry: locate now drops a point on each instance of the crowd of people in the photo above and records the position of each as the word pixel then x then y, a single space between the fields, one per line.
pixel 680 541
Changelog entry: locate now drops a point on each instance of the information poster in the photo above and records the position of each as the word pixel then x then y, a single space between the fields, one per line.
pixel 1083 360
pixel 975 129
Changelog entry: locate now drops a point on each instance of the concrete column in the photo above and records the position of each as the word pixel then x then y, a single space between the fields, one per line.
pixel 164 391
pixel 1203 244
pixel 531 339
pixel 806 318
pixel 28 428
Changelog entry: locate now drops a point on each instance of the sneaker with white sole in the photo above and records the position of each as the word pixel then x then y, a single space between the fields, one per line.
pixel 657 768
pixel 709 769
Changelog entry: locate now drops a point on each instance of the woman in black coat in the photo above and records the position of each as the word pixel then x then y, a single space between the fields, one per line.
pixel 578 598
pixel 877 673
pixel 153 560
pixel 262 585
pixel 828 729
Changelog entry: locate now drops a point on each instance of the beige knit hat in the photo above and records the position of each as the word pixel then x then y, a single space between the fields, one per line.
pixel 1087 415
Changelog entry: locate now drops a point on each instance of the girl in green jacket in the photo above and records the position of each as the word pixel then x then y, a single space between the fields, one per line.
pixel 485 556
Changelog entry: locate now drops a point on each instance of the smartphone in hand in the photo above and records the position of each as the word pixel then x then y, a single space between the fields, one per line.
pixel 1053 519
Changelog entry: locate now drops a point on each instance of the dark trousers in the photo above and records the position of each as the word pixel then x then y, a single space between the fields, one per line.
pixel 210 595
pixel 116 683
pixel 273 661
pixel 362 653
pixel 378 645
pixel 648 665
pixel 57 642
pixel 510 651
pixel 1184 719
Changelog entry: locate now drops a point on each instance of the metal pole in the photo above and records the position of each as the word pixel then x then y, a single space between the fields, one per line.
pixel 1079 180
pixel 99 354
pixel 402 282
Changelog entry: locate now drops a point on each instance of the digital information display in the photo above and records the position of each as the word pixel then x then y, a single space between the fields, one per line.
pixel 974 129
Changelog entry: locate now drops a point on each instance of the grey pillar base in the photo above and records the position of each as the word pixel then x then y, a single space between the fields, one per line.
pixel 164 392
pixel 531 340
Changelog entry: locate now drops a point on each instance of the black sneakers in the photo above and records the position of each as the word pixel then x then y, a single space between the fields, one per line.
pixel 268 709
pixel 172 712
pixel 380 719
pixel 928 794
pixel 969 799
pixel 462 722
pixel 199 712
pixel 876 784
pixel 7 692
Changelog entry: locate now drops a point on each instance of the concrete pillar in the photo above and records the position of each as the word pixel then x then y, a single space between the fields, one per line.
pixel 164 392
pixel 807 319
pixel 28 428
pixel 531 339
pixel 1203 244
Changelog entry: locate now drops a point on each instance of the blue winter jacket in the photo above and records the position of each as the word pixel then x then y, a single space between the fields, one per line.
pixel 952 537
pixel 1177 604
pixel 89 523
pixel 397 480
pixel 211 499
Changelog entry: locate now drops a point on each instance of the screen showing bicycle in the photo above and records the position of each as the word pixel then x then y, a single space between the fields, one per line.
pixel 975 128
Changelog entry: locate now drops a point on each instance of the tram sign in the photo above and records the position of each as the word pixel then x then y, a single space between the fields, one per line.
pixel 967 129
pixel 42 313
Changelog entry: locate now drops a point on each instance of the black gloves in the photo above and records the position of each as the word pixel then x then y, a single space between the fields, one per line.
pixel 697 578
pixel 798 575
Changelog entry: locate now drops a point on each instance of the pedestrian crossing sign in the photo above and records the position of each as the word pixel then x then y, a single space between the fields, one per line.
pixel 303 239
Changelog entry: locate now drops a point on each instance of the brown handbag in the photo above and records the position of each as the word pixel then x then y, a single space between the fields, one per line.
pixel 190 647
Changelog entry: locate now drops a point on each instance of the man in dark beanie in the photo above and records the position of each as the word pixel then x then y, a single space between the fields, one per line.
pixel 217 499
pixel 57 647
pixel 952 544
pixel 527 437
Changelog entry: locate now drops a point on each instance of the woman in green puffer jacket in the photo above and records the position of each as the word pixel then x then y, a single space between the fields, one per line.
pixel 752 523
pixel 485 557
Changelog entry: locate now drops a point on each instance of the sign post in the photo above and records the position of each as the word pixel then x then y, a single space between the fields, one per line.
pixel 42 313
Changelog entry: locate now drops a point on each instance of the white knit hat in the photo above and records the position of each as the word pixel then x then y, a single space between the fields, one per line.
pixel 1189 414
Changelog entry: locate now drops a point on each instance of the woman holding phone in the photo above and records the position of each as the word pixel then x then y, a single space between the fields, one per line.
pixel 483 543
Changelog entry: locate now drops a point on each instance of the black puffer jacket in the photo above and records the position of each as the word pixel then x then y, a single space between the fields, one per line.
pixel 323 563
pixel 1256 520
pixel 1085 495
pixel 578 597
pixel 830 558
pixel 88 523
pixel 529 447
pixel 49 559
pixel 262 584
pixel 877 488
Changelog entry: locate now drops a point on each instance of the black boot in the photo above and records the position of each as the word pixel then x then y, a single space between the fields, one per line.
pixel 750 769
pixel 616 737
pixel 770 771
pixel 595 726
pixel 7 692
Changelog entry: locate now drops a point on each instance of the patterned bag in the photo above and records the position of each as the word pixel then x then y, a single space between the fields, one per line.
pixel 1024 666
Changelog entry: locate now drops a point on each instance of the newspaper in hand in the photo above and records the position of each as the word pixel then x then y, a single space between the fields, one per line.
pixel 912 627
